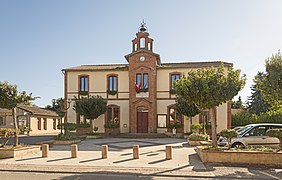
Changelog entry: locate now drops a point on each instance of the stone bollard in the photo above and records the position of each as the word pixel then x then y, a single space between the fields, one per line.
pixel 168 152
pixel 104 151
pixel 74 150
pixel 45 150
pixel 135 151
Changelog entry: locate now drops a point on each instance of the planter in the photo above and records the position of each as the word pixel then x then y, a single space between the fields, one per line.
pixel 112 131
pixel 82 131
pixel 194 142
pixel 65 142
pixel 241 157
pixel 18 152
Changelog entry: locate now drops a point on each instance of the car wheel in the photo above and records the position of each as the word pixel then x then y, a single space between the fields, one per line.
pixel 237 145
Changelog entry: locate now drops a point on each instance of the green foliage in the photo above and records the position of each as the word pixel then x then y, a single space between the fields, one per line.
pixel 172 126
pixel 6 134
pixel 208 88
pixel 229 134
pixel 58 105
pixel 198 137
pixel 196 127
pixel 271 83
pixel 11 98
pixel 244 118
pixel 25 129
pixel 256 103
pixel 237 104
pixel 96 128
pixel 69 127
pixel 68 136
pixel 186 108
pixel 275 133
pixel 112 125
pixel 91 108
pixel 82 125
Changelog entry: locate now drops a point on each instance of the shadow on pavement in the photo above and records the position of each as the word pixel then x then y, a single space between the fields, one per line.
pixel 61 159
pixel 89 160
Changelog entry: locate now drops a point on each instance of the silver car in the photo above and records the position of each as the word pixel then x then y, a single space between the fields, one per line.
pixel 254 135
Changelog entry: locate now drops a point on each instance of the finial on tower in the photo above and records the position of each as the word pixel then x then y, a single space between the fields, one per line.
pixel 143 27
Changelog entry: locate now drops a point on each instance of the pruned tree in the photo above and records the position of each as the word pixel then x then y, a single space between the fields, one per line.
pixel 10 98
pixel 208 88
pixel 186 108
pixel 271 83
pixel 91 108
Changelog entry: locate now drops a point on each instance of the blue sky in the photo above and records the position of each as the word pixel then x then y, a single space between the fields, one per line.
pixel 40 38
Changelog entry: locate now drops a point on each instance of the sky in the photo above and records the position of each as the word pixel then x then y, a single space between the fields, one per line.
pixel 40 38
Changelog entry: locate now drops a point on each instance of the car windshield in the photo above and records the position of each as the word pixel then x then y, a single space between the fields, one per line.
pixel 244 129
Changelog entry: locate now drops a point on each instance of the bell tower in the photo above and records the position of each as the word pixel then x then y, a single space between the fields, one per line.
pixel 143 64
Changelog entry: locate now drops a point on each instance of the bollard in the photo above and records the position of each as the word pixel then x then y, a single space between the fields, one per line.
pixel 168 152
pixel 135 151
pixel 74 150
pixel 104 151
pixel 45 150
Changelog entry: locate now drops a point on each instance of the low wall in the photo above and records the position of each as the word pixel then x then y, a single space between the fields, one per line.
pixel 18 152
pixel 240 157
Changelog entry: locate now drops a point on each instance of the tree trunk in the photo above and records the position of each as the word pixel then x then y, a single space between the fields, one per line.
pixel 213 126
pixel 14 112
pixel 91 126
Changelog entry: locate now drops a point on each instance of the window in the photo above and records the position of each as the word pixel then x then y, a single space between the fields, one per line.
pixel 142 84
pixel 39 123
pixel 2 121
pixel 112 83
pixel 173 77
pixel 112 116
pixel 173 116
pixel 84 84
pixel 54 124
pixel 142 42
pixel 45 123
pixel 161 120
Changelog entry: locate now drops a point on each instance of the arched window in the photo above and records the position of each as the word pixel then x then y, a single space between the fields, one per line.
pixel 142 42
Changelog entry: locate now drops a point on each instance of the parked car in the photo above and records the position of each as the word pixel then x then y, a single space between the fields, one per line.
pixel 253 135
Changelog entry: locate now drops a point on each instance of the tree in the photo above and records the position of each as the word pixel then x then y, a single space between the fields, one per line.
pixel 229 134
pixel 237 104
pixel 187 109
pixel 208 88
pixel 256 103
pixel 58 105
pixel 271 83
pixel 10 98
pixel 91 108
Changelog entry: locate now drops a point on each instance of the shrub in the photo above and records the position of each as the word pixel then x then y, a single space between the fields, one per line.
pixel 6 134
pixel 275 133
pixel 82 125
pixel 69 127
pixel 172 126
pixel 198 137
pixel 68 136
pixel 229 134
pixel 111 125
pixel 96 128
pixel 196 126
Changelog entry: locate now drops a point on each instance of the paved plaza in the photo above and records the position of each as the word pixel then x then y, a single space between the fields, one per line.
pixel 151 162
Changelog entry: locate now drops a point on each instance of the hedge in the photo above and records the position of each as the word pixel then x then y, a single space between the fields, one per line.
pixel 244 118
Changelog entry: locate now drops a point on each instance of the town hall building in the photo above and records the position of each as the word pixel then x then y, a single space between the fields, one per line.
pixel 140 93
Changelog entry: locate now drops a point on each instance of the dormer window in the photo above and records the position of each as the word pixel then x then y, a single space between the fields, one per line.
pixel 142 42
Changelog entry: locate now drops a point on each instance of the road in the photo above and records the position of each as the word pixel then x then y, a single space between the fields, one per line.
pixel 32 139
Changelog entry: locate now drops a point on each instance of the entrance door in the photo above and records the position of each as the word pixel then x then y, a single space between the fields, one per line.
pixel 142 120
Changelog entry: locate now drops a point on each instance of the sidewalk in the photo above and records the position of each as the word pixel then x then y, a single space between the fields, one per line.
pixel 185 162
